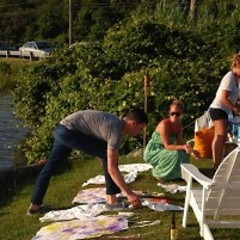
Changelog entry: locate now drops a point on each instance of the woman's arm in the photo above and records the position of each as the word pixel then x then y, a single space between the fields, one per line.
pixel 225 101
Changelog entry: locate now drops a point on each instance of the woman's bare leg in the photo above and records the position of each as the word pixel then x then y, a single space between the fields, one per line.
pixel 219 140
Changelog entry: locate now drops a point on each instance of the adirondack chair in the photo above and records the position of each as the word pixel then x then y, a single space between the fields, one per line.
pixel 217 198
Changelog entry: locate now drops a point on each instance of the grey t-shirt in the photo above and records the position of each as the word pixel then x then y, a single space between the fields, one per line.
pixel 102 125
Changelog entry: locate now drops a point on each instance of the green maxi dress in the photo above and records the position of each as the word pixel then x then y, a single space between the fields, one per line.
pixel 165 163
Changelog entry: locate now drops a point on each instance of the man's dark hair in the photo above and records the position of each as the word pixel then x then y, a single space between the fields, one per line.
pixel 137 114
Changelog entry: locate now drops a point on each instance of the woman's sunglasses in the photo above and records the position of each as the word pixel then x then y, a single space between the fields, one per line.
pixel 175 113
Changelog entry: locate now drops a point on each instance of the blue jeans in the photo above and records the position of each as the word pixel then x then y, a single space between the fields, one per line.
pixel 65 141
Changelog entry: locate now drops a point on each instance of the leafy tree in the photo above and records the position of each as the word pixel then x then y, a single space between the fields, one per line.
pixel 48 19
pixel 95 17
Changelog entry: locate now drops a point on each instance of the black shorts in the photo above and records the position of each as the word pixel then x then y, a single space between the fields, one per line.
pixel 217 114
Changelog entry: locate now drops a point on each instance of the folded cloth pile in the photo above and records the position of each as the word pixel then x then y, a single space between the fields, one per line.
pixel 173 188
pixel 131 169
pixel 135 167
pixel 99 179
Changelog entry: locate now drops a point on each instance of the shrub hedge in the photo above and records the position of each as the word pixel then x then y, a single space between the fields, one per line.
pixel 185 59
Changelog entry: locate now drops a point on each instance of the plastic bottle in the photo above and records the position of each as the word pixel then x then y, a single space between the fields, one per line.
pixel 173 229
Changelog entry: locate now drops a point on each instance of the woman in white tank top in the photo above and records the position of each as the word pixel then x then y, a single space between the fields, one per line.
pixel 224 103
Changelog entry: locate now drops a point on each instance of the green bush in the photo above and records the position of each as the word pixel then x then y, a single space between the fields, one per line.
pixel 182 62
pixel 5 68
pixel 10 72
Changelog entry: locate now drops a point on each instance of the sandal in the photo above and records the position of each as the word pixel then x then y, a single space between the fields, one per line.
pixel 116 206
pixel 42 209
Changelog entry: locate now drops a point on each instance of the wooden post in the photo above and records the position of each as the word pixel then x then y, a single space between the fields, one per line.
pixel 192 9
pixel 146 80
pixel 31 56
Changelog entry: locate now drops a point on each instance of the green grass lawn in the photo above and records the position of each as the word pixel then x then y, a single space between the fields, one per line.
pixel 15 224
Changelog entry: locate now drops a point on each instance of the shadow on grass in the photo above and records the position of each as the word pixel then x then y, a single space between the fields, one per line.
pixel 209 172
pixel 14 180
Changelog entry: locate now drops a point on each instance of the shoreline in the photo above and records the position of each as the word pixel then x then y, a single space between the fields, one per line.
pixel 10 176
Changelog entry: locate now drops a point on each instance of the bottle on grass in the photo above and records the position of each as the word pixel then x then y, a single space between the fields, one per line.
pixel 173 229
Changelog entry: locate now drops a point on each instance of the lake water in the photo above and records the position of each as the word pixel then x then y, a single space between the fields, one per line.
pixel 11 135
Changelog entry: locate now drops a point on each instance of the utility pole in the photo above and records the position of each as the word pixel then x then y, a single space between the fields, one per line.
pixel 70 23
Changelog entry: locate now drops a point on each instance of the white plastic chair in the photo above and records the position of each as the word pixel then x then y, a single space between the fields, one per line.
pixel 217 198
pixel 203 121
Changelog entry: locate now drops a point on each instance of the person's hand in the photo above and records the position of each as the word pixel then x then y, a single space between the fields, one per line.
pixel 187 148
pixel 134 200
pixel 196 155
pixel 237 110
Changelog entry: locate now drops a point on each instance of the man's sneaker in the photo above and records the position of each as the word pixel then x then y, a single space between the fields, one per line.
pixel 42 209
pixel 116 206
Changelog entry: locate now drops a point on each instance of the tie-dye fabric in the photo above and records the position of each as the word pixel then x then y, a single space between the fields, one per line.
pixel 78 212
pixel 90 195
pixel 82 229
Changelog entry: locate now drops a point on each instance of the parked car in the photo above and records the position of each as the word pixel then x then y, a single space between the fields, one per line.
pixel 5 46
pixel 37 48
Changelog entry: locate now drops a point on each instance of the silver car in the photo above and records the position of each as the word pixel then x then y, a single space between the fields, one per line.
pixel 36 49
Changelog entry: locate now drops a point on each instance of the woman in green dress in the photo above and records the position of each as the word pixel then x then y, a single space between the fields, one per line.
pixel 166 149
